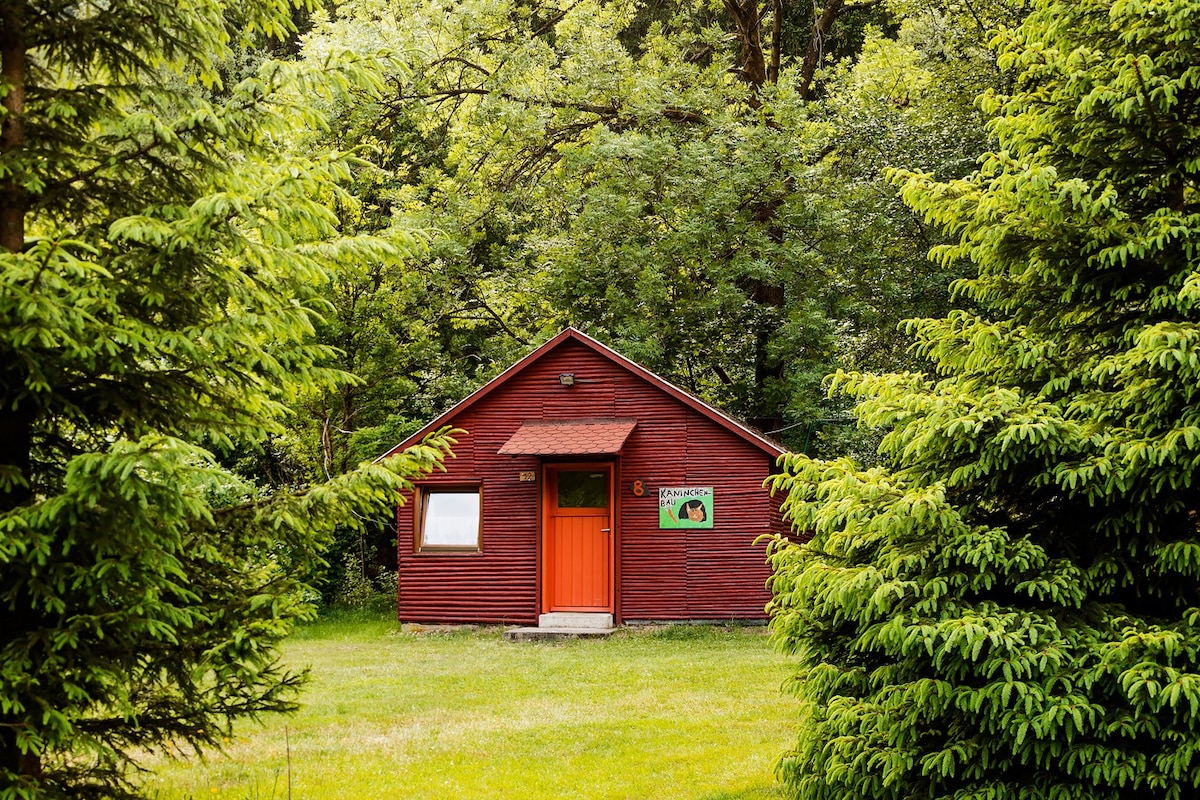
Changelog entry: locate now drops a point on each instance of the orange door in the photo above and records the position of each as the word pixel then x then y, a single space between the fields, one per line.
pixel 577 531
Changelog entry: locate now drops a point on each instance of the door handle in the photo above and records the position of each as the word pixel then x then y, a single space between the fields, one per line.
pixel 606 530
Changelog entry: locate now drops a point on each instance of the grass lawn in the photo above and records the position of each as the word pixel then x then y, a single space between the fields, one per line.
pixel 676 712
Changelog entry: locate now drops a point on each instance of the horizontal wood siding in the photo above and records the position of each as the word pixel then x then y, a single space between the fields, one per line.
pixel 653 561
pixel 727 572
pixel 498 584
pixel 716 573
pixel 713 573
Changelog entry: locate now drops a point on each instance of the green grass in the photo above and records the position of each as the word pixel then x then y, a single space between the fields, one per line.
pixel 678 712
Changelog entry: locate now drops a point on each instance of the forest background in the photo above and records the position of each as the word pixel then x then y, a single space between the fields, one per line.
pixel 246 249
pixel 701 185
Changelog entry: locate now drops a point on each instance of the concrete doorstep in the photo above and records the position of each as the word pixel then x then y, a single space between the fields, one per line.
pixel 563 625
pixel 571 619
pixel 545 634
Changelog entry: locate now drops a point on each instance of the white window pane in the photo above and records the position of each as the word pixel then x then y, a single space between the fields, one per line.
pixel 452 519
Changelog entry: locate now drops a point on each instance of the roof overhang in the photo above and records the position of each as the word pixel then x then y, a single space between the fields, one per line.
pixel 591 437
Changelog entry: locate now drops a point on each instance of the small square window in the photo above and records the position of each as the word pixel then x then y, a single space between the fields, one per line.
pixel 582 489
pixel 448 518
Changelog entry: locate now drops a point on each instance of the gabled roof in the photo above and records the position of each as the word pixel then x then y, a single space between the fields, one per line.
pixel 571 334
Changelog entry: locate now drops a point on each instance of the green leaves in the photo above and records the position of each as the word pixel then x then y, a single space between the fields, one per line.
pixel 1031 549
pixel 148 613
pixel 159 316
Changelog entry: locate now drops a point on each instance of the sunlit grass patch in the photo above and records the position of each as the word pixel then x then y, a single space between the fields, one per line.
pixel 676 712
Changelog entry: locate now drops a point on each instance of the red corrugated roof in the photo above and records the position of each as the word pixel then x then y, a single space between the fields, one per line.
pixel 569 438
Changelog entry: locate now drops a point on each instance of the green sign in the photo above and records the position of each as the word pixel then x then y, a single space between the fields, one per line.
pixel 685 507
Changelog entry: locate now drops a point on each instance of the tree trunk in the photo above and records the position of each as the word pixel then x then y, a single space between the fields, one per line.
pixel 16 414
pixel 16 419
pixel 14 200
pixel 748 21
pixel 822 25
pixel 776 41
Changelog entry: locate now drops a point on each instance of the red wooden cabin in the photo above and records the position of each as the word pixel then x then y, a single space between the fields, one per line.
pixel 588 484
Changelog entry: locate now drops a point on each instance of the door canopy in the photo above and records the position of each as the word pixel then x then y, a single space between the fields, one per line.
pixel 594 437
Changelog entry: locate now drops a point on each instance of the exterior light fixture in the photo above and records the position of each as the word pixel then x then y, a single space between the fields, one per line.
pixel 566 378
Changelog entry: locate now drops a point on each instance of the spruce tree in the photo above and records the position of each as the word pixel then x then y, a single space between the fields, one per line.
pixel 1010 607
pixel 160 257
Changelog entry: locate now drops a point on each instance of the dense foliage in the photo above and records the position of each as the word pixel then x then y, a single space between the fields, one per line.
pixel 161 262
pixel 705 194
pixel 701 187
pixel 228 277
pixel 1010 607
